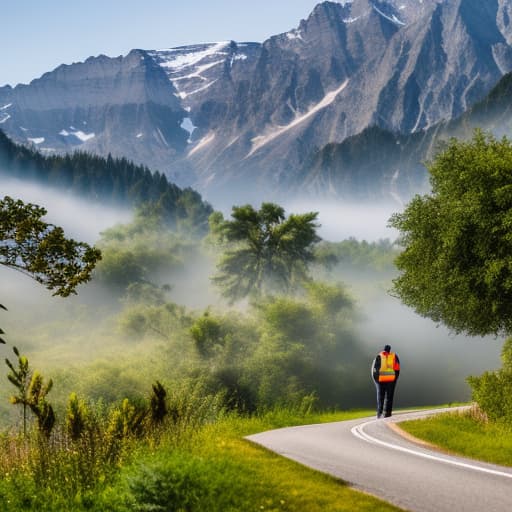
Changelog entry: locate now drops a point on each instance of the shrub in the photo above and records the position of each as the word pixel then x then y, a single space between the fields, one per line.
pixel 493 390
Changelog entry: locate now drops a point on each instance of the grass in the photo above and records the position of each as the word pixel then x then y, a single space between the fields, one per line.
pixel 465 434
pixel 198 467
pixel 232 474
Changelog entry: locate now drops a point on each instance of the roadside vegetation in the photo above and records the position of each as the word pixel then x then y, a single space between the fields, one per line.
pixel 189 462
pixel 456 268
pixel 469 434
pixel 123 398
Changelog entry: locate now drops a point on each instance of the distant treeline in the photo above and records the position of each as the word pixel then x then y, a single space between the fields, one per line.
pixel 116 181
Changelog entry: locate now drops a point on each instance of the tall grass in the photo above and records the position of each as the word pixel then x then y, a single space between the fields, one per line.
pixel 195 460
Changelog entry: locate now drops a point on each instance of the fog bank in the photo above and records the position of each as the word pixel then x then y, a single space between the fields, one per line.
pixel 342 220
pixel 81 219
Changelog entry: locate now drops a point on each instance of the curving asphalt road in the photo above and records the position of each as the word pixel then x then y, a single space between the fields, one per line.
pixel 377 459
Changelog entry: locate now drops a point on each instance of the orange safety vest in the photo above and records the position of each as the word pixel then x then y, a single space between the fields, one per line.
pixel 388 365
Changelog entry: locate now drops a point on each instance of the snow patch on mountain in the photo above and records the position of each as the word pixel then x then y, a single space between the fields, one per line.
pixel 173 59
pixel 188 126
pixel 4 117
pixel 79 134
pixel 36 140
pixel 184 95
pixel 294 34
pixel 202 143
pixel 392 18
pixel 198 70
pixel 261 140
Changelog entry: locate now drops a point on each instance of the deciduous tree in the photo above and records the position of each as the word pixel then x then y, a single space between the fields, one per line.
pixel 456 264
pixel 41 250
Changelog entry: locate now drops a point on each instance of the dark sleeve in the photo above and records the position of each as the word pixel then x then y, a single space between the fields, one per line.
pixel 397 372
pixel 376 368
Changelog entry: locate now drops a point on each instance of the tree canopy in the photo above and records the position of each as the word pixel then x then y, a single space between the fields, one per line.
pixel 265 250
pixel 41 250
pixel 456 266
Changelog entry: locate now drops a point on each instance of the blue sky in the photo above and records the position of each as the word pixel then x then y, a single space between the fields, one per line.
pixel 36 36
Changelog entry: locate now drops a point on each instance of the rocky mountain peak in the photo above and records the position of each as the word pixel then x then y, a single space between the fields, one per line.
pixel 249 115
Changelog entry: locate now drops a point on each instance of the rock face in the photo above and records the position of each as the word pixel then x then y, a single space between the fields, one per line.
pixel 383 166
pixel 125 106
pixel 245 118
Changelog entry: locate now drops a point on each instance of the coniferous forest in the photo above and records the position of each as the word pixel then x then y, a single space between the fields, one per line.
pixel 117 181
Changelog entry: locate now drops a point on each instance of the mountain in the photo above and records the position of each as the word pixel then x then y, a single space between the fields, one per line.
pixel 243 119
pixel 381 165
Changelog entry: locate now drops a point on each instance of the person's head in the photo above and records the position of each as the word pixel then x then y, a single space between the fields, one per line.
pixel 387 348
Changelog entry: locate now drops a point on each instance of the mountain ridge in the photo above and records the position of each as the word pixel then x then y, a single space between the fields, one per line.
pixel 243 118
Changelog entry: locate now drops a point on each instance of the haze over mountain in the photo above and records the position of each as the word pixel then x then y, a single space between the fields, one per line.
pixel 246 119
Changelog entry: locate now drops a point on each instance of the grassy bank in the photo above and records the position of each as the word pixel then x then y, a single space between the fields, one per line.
pixel 194 468
pixel 466 434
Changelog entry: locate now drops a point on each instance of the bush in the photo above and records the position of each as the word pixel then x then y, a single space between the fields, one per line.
pixel 184 482
pixel 493 390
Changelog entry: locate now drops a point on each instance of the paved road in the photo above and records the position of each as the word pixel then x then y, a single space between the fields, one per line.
pixel 375 458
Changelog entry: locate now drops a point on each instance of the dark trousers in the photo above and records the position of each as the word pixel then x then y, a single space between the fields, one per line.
pixel 385 392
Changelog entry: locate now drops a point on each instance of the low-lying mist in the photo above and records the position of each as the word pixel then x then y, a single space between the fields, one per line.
pixel 103 342
pixel 435 362
pixel 341 220
pixel 81 219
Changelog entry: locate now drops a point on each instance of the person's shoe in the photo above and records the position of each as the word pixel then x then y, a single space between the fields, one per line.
pixel 379 415
pixel 387 415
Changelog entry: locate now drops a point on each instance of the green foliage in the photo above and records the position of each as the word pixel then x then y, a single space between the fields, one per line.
pixel 182 481
pixel 467 434
pixel 20 378
pixel 456 267
pixel 192 461
pixel 43 411
pixel 493 390
pixel 138 253
pixel 207 333
pixel 164 320
pixel 126 420
pixel 307 346
pixel 41 250
pixel 265 250
pixel 354 255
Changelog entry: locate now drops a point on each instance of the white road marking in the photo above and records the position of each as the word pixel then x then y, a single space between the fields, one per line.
pixel 358 431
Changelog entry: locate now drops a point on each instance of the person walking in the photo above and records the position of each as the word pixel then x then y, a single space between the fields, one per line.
pixel 385 372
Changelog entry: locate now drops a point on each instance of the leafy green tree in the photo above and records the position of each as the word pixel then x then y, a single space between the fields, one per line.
pixel 456 266
pixel 265 250
pixel 40 250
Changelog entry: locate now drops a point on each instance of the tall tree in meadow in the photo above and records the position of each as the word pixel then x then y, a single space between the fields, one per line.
pixel 264 250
